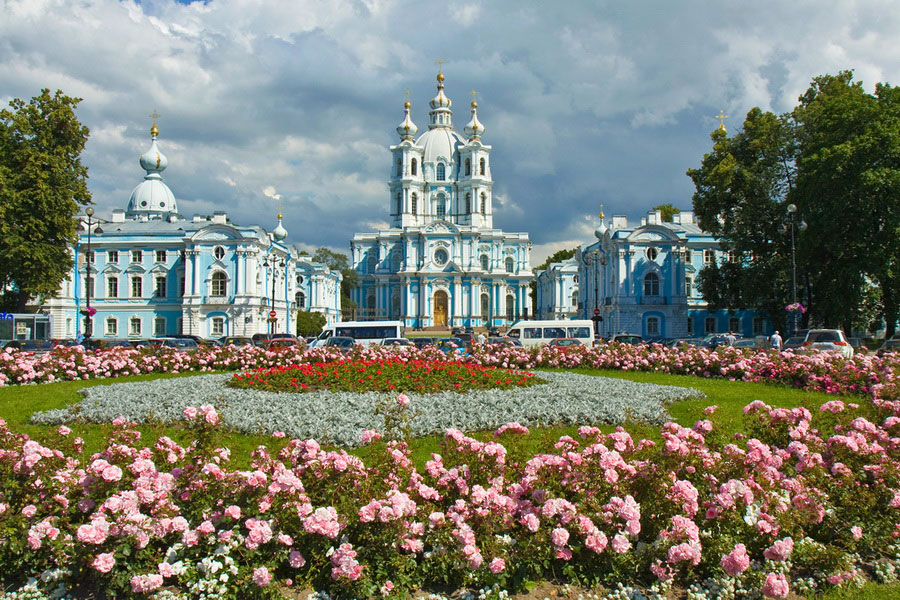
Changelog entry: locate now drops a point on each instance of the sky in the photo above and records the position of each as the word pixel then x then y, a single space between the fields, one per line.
pixel 294 103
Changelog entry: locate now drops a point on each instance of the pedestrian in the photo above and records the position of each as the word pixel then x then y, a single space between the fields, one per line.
pixel 776 340
pixel 480 338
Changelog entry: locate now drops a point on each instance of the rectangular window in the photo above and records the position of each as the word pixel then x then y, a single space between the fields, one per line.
pixel 159 326
pixel 179 325
pixel 710 325
pixel 112 257
pixel 89 257
pixel 112 326
pixel 160 287
pixel 134 326
pixel 687 256
pixel 551 333
pixel 731 256
pixel 690 326
pixel 160 256
pixel 689 286
pixel 137 287
pixel 218 326
pixel 709 257
pixel 137 256
pixel 579 332
pixel 652 326
pixel 112 286
pixel 757 325
pixel 531 333
pixel 734 325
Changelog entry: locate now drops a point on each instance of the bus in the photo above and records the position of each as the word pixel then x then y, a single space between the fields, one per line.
pixel 535 333
pixel 364 332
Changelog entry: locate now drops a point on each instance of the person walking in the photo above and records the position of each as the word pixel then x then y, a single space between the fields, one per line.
pixel 776 340
pixel 480 338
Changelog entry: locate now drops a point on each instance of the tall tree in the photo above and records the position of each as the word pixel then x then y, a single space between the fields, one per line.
pixel 42 185
pixel 668 212
pixel 848 190
pixel 742 189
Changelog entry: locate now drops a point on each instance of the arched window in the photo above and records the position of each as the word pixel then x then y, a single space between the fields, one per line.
pixel 481 164
pixel 510 265
pixel 510 307
pixel 483 203
pixel 373 261
pixel 651 284
pixel 396 260
pixel 370 302
pixel 441 207
pixel 468 166
pixel 413 208
pixel 485 264
pixel 468 202
pixel 300 300
pixel 574 299
pixel 485 306
pixel 413 167
pixel 219 284
pixel 399 166
pixel 399 203
pixel 441 172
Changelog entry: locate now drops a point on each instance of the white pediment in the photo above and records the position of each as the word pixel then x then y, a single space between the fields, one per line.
pixel 215 233
pixel 441 227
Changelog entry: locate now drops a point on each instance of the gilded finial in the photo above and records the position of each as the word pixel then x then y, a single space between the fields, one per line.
pixel 406 104
pixel 601 215
pixel 440 75
pixel 280 208
pixel 474 99
pixel 154 131
pixel 721 117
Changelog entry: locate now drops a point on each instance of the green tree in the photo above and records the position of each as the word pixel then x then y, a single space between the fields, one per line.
pixel 742 189
pixel 309 323
pixel 558 256
pixel 848 190
pixel 337 261
pixel 668 212
pixel 42 185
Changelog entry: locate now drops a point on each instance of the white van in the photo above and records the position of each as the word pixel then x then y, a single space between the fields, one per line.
pixel 364 332
pixel 535 333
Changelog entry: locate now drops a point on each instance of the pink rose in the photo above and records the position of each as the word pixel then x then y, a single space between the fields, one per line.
pixel 737 561
pixel 559 536
pixel 497 565
pixel 403 400
pixel 296 560
pixel 190 412
pixel 776 586
pixel 104 562
pixel 262 577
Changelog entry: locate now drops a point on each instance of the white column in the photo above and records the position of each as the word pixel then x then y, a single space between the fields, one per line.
pixel 196 257
pixel 188 274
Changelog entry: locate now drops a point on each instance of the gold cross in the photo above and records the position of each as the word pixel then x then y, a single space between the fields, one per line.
pixel 474 95
pixel 154 115
pixel 280 209
pixel 721 117
pixel 440 63
pixel 407 95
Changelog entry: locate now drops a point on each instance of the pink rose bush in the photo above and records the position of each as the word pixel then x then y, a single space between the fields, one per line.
pixel 766 509
pixel 823 371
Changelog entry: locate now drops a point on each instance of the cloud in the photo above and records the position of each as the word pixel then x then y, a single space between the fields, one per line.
pixel 584 104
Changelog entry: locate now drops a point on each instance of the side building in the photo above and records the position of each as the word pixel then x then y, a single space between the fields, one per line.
pixel 557 294
pixel 642 279
pixel 146 271
pixel 442 263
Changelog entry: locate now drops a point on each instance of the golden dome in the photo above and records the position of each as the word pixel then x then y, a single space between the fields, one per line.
pixel 406 104
pixel 440 76
pixel 154 131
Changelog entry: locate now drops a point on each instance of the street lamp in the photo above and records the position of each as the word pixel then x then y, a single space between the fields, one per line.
pixel 593 260
pixel 274 264
pixel 792 208
pixel 89 322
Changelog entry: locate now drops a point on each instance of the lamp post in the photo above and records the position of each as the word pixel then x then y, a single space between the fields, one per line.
pixel 274 263
pixel 792 208
pixel 89 321
pixel 593 260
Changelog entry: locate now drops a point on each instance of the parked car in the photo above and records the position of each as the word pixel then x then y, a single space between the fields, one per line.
pixel 232 340
pixel 452 345
pixel 493 332
pixel 793 343
pixel 421 342
pixel 33 346
pixel 830 340
pixel 627 338
pixel 891 345
pixel 261 339
pixel 396 342
pixel 564 342
pixel 745 343
pixel 677 342
pixel 344 344
pixel 506 341
pixel 456 330
pixel 180 344
pixel 284 342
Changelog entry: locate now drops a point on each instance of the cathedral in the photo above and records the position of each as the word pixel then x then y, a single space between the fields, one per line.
pixel 442 263
pixel 147 271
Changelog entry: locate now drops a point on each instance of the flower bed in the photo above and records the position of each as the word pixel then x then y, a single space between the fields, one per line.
pixel 806 502
pixel 383 375
pixel 566 398
pixel 826 372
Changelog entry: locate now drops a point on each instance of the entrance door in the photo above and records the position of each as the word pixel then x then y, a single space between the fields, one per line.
pixel 440 308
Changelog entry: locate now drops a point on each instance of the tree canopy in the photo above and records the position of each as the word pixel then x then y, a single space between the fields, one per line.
pixel 42 186
pixel 836 159
pixel 668 212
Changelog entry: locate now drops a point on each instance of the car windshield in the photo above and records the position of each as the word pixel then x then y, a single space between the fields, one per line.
pixel 823 336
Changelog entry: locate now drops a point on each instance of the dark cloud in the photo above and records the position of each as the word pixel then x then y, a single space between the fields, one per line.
pixel 588 103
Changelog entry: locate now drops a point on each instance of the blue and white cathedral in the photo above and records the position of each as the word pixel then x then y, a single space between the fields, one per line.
pixel 149 272
pixel 442 263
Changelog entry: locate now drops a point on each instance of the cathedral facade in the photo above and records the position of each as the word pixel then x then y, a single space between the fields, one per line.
pixel 442 263
pixel 147 271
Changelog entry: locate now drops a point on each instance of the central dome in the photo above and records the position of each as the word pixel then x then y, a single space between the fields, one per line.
pixel 440 144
